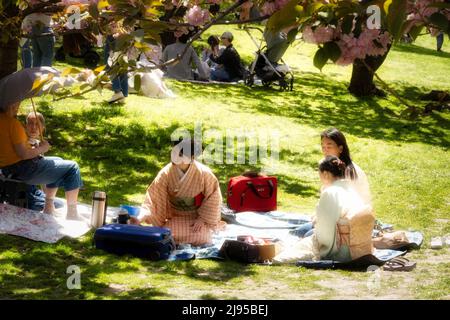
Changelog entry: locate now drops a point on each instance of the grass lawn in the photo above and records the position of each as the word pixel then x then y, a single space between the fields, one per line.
pixel 121 148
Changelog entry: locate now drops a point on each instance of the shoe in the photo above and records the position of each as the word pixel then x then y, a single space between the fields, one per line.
pixel 399 264
pixel 436 243
pixel 446 240
pixel 116 97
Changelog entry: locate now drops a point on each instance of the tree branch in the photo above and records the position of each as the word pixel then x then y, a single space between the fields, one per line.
pixel 216 22
pixel 197 35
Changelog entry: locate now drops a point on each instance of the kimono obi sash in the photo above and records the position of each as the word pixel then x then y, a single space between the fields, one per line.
pixel 186 204
pixel 182 203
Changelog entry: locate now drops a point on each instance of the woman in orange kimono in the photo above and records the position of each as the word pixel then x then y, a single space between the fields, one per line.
pixel 184 197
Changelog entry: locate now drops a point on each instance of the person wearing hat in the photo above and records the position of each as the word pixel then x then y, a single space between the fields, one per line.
pixel 232 68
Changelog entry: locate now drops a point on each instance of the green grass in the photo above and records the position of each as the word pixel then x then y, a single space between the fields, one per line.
pixel 121 148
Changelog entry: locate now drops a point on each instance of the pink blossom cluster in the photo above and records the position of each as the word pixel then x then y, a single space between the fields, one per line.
pixel 269 7
pixel 319 35
pixel 420 10
pixel 365 45
pixel 197 16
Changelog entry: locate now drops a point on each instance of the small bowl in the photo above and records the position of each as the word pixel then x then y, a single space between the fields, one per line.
pixel 132 211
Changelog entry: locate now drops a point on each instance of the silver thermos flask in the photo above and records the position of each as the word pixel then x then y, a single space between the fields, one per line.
pixel 99 207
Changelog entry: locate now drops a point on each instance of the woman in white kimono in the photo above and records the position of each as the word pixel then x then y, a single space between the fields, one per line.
pixel 184 197
pixel 334 144
pixel 338 197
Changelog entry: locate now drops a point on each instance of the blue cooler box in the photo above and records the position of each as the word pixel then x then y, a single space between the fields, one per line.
pixel 151 243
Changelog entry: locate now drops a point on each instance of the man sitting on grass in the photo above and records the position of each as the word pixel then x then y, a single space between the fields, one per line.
pixel 232 67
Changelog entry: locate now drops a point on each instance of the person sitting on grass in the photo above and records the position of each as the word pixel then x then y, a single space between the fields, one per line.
pixel 182 70
pixel 334 144
pixel 232 69
pixel 19 161
pixel 35 125
pixel 338 198
pixel 184 197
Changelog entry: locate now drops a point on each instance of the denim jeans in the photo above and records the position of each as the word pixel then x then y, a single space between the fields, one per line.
pixel 43 47
pixel 440 40
pixel 119 83
pixel 36 199
pixel 305 230
pixel 26 54
pixel 219 74
pixel 54 172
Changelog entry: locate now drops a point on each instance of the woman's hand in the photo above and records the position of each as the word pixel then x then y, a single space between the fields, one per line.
pixel 198 226
pixel 44 146
pixel 135 221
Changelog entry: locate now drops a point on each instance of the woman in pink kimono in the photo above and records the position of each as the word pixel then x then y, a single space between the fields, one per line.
pixel 184 197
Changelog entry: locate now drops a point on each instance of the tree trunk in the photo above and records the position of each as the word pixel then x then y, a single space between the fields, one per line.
pixel 361 83
pixel 10 48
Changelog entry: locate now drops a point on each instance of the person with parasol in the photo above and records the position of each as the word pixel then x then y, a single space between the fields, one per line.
pixel 18 160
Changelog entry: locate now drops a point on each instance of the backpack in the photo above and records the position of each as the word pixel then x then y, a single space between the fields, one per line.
pixel 354 229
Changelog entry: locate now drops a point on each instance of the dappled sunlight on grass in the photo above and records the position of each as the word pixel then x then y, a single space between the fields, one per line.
pixel 120 149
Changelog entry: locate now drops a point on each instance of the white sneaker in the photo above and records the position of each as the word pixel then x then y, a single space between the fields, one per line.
pixel 116 97
pixel 446 241
pixel 436 243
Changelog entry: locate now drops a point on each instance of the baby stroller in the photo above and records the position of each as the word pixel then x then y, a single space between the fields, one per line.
pixel 79 45
pixel 266 66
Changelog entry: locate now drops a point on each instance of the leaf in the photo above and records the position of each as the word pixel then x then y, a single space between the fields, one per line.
pixel 415 31
pixel 38 83
pixel 347 24
pixel 70 70
pixel 138 35
pixel 441 5
pixel 99 69
pixel 286 16
pixel 93 11
pixel 102 4
pixel 396 17
pixel 386 6
pixel 332 50
pixel 320 58
pixel 292 34
pixel 439 20
pixel 137 82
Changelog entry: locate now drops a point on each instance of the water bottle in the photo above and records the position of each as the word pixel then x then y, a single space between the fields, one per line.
pixel 99 208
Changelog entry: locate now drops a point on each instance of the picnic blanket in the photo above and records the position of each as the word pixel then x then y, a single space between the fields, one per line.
pixel 42 227
pixel 277 225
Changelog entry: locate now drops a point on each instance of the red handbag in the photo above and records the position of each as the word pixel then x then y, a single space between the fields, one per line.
pixel 252 192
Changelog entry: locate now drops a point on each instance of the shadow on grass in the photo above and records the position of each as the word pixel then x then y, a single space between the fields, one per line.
pixel 322 102
pixel 121 157
pixel 412 48
pixel 39 271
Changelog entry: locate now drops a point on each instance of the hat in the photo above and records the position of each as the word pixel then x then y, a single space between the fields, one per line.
pixel 227 35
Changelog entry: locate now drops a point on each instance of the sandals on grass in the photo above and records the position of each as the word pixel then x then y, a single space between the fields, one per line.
pixel 399 264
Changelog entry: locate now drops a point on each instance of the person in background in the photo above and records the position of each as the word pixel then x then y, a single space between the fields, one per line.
pixel 439 41
pixel 182 70
pixel 119 82
pixel 26 52
pixel 232 67
pixel 43 39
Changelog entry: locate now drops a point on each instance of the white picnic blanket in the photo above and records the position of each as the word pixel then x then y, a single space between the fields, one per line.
pixel 42 227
